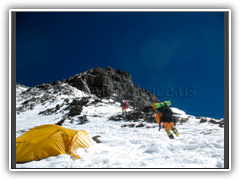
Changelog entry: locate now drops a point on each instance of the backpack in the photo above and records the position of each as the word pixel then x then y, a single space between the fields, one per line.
pixel 123 102
pixel 165 110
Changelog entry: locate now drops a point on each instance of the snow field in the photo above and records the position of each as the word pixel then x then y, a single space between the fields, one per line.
pixel 200 145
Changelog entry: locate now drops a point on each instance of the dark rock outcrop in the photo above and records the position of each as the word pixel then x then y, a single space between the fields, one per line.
pixel 203 120
pixel 136 116
pixel 183 120
pixel 75 111
pixel 110 83
pixel 76 106
pixel 82 119
pixel 221 123
pixel 95 138
pixel 135 125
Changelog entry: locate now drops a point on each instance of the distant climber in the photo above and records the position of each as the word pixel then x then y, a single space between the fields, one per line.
pixel 165 115
pixel 124 105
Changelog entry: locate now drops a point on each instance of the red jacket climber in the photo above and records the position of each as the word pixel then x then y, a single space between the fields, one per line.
pixel 124 105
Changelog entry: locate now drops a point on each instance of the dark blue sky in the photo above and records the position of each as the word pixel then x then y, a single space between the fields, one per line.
pixel 179 56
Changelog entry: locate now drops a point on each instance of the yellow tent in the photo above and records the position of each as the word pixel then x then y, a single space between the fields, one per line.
pixel 49 140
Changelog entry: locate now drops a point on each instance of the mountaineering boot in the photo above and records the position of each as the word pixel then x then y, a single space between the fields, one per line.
pixel 170 135
pixel 175 131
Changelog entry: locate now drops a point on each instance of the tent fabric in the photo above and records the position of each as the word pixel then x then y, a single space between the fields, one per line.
pixel 50 140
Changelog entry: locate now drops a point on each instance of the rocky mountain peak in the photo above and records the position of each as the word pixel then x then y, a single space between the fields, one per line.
pixel 110 83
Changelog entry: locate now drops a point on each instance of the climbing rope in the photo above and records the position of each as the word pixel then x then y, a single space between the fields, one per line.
pixel 207 145
pixel 132 116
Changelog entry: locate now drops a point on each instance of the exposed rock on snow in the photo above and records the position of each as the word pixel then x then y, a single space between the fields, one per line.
pixel 220 122
pixel 203 120
pixel 183 120
pixel 95 138
pixel 82 119
pixel 136 115
pixel 110 83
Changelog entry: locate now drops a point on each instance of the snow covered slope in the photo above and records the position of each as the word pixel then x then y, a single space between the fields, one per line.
pixel 123 143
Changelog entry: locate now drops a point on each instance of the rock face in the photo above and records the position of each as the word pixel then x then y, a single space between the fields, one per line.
pixel 203 120
pixel 110 83
pixel 104 83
